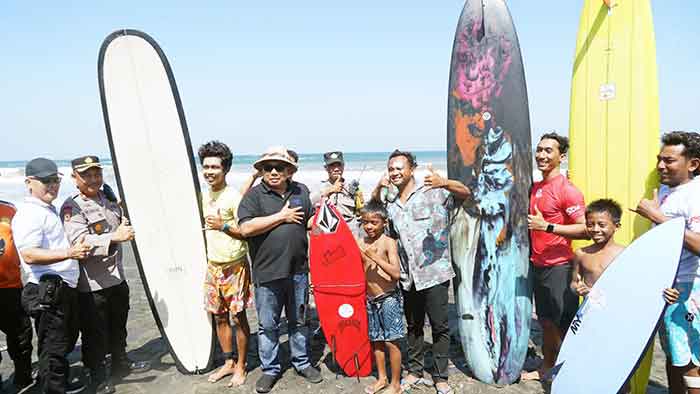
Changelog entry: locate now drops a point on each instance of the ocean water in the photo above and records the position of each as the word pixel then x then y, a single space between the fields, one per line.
pixel 367 167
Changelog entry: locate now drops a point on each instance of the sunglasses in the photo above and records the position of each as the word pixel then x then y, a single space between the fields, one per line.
pixel 270 167
pixel 48 180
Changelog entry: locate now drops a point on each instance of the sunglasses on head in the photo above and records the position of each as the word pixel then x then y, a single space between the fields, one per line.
pixel 48 180
pixel 269 167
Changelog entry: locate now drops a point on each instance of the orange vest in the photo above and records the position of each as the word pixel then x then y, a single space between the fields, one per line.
pixel 9 259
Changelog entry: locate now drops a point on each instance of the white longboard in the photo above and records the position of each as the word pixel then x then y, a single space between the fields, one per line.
pixel 156 174
pixel 618 319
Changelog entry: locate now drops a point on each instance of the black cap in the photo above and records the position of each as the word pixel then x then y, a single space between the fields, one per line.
pixel 333 157
pixel 41 168
pixel 82 163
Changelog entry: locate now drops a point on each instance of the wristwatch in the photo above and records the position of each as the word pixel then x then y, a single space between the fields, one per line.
pixel 550 228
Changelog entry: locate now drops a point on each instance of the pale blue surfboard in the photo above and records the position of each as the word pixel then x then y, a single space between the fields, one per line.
pixel 618 319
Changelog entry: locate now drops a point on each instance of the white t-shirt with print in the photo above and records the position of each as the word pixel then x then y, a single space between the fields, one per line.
pixel 684 201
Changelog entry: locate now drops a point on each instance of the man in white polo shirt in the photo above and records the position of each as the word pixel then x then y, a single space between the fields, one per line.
pixel 50 264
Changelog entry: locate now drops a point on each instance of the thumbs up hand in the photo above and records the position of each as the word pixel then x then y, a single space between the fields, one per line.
pixel 433 180
pixel 536 222
pixel 80 250
pixel 651 208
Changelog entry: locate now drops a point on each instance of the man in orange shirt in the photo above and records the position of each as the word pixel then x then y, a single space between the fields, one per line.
pixel 14 323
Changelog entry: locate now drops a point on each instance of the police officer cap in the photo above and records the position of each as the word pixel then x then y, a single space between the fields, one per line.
pixel 41 168
pixel 83 163
pixel 333 157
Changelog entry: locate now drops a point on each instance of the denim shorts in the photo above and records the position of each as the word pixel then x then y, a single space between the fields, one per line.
pixel 385 317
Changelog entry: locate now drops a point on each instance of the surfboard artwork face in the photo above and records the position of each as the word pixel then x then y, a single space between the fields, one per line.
pixel 488 149
pixel 340 290
pixel 156 174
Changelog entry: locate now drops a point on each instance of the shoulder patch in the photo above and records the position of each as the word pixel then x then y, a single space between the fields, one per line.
pixel 66 212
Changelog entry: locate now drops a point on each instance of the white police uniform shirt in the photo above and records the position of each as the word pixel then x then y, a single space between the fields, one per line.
pixel 37 225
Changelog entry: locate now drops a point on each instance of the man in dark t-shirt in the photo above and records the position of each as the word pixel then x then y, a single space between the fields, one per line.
pixel 273 216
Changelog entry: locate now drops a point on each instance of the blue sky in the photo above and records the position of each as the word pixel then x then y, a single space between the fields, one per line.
pixel 308 74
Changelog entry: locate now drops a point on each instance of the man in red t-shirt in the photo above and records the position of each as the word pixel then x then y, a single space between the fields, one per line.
pixel 556 216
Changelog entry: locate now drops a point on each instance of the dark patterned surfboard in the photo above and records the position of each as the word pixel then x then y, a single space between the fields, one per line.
pixel 489 150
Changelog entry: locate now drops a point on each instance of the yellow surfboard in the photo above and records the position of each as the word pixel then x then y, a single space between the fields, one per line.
pixel 614 119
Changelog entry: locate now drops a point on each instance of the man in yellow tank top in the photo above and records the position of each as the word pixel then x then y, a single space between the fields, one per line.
pixel 227 286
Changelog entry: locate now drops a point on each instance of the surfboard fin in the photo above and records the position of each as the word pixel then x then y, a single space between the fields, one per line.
pixel 356 359
pixel 552 374
pixel 335 362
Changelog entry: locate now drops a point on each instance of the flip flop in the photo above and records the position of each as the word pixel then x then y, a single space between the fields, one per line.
pixel 406 385
pixel 448 390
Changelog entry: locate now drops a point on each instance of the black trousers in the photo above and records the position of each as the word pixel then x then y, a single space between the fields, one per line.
pixel 17 327
pixel 57 332
pixel 103 315
pixel 432 300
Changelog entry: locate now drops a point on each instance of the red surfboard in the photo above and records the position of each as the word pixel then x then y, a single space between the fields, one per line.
pixel 340 291
pixel 9 259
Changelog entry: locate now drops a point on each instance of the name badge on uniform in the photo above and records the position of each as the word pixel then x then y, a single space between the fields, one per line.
pixel 295 202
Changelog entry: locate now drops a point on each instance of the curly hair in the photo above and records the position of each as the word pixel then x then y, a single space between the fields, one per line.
pixel 375 207
pixel 690 141
pixel 562 140
pixel 216 149
pixel 608 205
pixel 410 157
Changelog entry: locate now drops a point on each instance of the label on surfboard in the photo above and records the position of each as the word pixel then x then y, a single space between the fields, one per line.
pixel 607 92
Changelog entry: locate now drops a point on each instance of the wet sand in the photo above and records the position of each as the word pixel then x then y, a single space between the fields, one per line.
pixel 145 343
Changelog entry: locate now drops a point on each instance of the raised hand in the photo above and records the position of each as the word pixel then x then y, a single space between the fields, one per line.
pixel 580 287
pixel 291 215
pixel 671 296
pixel 124 232
pixel 337 186
pixel 536 221
pixel 80 250
pixel 214 222
pixel 434 180
pixel 650 208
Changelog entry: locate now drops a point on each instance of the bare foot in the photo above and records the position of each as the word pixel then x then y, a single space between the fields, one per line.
pixel 393 389
pixel 221 373
pixel 238 378
pixel 378 386
pixel 534 375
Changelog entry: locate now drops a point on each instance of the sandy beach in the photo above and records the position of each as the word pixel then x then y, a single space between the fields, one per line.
pixel 145 343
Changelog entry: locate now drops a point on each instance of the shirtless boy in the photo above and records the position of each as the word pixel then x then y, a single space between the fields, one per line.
pixel 380 258
pixel 602 220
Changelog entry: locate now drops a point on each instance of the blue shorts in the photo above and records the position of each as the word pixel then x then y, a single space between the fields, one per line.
pixel 680 329
pixel 385 317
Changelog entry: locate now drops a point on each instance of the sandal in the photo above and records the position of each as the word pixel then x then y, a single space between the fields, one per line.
pixel 406 385
pixel 448 390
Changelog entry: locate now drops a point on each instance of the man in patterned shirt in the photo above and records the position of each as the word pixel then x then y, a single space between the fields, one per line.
pixel 419 218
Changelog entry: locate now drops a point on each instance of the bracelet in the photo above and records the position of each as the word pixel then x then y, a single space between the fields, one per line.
pixel 225 228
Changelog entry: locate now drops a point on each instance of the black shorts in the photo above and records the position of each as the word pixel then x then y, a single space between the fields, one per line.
pixel 554 299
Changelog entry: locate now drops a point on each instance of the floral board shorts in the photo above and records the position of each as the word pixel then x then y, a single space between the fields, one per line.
pixel 385 317
pixel 227 287
pixel 680 329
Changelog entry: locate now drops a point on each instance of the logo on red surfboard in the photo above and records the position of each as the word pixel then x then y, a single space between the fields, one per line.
pixel 328 220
